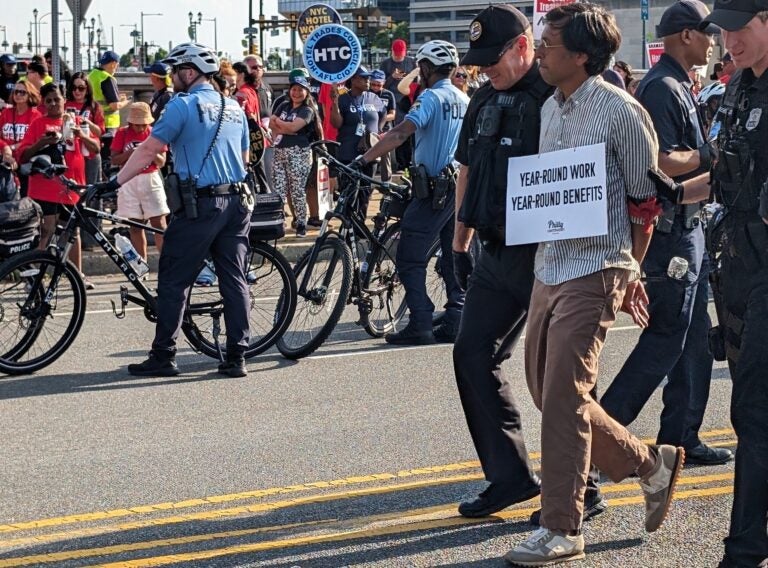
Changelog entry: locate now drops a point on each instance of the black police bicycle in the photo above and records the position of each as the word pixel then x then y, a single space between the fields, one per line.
pixel 43 300
pixel 334 273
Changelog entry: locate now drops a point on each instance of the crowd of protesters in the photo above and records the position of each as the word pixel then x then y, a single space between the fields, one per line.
pixel 661 144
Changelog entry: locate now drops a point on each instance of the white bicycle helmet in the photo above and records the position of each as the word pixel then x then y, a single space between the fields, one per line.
pixel 716 89
pixel 438 52
pixel 195 54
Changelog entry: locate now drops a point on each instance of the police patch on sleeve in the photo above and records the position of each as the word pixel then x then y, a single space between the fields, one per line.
pixel 475 31
pixel 754 118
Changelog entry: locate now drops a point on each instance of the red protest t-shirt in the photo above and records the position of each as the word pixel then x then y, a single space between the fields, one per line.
pixel 127 138
pixel 13 126
pixel 248 98
pixel 324 98
pixel 53 190
pixel 92 113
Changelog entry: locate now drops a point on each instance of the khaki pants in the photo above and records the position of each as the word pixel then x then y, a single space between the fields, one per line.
pixel 567 325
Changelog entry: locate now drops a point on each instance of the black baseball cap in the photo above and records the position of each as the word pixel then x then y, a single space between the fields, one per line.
pixel 490 31
pixel 159 69
pixel 732 15
pixel 684 15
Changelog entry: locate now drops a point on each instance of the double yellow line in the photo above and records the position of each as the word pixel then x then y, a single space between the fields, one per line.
pixel 333 530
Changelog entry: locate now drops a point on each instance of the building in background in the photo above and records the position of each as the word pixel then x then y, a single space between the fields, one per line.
pixel 449 20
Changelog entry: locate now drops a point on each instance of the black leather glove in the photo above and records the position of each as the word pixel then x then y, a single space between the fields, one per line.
pixel 463 265
pixel 358 164
pixel 707 156
pixel 107 186
pixel 763 207
pixel 666 187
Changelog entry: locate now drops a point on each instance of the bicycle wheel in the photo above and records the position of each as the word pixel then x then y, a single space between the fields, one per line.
pixel 319 310
pixel 384 293
pixel 34 332
pixel 272 293
pixel 435 282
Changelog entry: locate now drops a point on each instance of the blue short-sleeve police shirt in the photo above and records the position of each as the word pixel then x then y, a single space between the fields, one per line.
pixel 188 126
pixel 437 114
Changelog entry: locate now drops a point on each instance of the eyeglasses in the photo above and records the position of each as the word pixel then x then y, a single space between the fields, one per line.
pixel 20 92
pixel 79 88
pixel 542 45
pixel 461 75
pixel 256 67
pixel 178 68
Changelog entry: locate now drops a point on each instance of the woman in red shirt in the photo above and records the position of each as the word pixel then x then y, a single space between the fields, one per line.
pixel 16 118
pixel 80 102
pixel 246 93
pixel 45 136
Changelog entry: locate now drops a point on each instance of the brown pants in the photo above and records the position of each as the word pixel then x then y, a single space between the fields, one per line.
pixel 567 325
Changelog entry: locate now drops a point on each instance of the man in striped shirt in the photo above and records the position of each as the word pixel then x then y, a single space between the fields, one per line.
pixel 581 284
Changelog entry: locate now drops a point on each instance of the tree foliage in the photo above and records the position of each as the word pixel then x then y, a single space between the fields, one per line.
pixel 384 38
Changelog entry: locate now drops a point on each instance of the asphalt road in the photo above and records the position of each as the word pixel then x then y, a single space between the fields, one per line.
pixel 356 456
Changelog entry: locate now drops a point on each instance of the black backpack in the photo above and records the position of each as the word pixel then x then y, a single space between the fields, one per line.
pixel 20 219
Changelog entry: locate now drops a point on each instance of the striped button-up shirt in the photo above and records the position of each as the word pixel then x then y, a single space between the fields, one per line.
pixel 598 112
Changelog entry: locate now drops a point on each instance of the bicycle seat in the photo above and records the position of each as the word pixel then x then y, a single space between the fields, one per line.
pixel 42 164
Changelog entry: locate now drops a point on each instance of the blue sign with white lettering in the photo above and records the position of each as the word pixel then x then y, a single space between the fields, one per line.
pixel 644 9
pixel 332 53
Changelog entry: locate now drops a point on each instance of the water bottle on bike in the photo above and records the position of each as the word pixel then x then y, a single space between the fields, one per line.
pixel 131 255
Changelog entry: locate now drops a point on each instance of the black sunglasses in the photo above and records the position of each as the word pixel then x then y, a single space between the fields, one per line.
pixel 20 92
pixel 79 88
pixel 461 75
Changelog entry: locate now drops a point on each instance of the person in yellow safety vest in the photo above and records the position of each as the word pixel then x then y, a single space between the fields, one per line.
pixel 105 91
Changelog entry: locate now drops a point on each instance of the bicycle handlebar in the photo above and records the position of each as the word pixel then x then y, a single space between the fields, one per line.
pixel 398 191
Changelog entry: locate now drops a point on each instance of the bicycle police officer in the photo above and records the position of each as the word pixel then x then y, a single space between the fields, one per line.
pixel 740 182
pixel 436 118
pixel 208 136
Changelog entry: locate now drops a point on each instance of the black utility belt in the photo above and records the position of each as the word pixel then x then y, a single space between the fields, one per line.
pixel 218 190
pixel 435 187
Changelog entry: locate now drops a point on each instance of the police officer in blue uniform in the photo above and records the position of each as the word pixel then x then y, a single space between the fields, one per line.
pixel 208 135
pixel 675 343
pixel 436 119
pixel 740 182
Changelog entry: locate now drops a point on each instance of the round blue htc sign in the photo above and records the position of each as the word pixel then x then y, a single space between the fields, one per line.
pixel 332 53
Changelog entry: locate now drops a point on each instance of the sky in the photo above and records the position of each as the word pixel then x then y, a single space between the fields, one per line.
pixel 231 16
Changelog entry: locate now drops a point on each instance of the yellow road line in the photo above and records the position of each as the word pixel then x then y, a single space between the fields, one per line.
pixel 261 493
pixel 371 533
pixel 443 511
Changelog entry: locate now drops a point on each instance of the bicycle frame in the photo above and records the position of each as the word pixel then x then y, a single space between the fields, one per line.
pixel 80 216
pixel 351 224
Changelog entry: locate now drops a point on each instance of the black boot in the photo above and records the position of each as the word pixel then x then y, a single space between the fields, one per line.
pixel 156 365
pixel 411 335
pixel 234 367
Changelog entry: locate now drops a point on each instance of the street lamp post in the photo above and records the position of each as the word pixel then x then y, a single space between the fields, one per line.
pixel 135 35
pixel 143 41
pixel 89 29
pixel 37 44
pixel 193 25
pixel 40 23
pixel 215 33
pixel 5 39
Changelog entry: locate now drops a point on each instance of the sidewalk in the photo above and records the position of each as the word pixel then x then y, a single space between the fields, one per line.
pixel 96 263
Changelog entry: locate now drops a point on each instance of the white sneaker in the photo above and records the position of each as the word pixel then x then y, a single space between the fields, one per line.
pixel 545 547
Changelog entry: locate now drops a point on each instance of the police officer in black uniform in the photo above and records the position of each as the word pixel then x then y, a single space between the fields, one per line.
pixel 740 182
pixel 502 121
pixel 674 345
pixel 208 135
